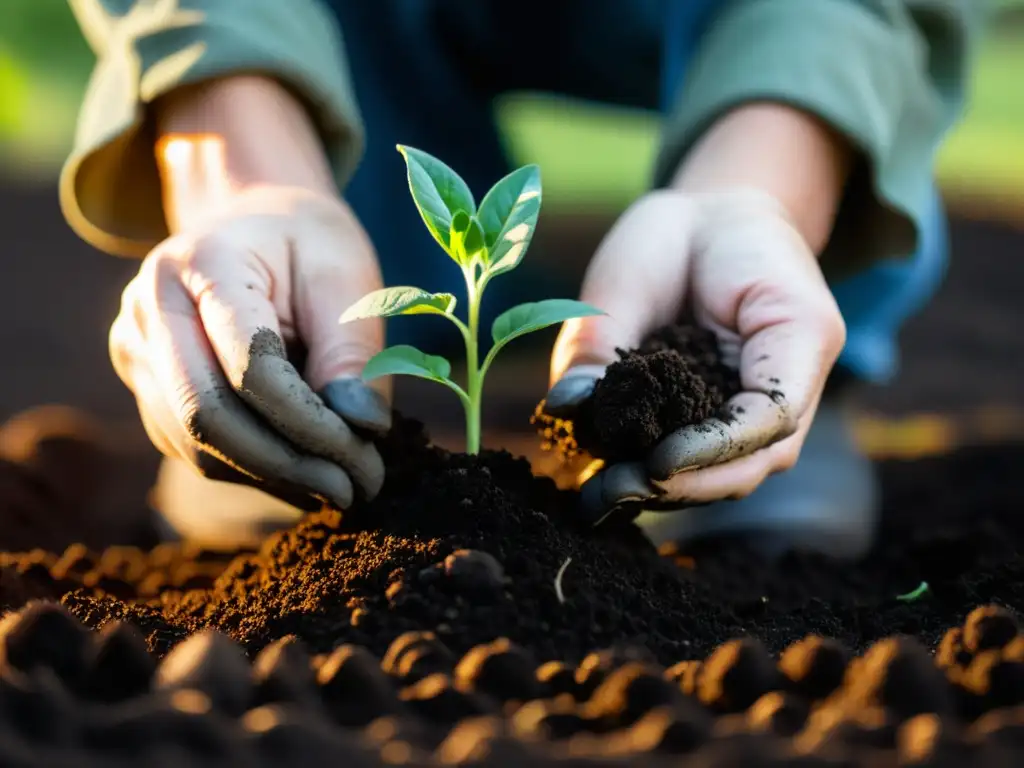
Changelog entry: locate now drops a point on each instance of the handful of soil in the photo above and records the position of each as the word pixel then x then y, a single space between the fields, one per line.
pixel 675 378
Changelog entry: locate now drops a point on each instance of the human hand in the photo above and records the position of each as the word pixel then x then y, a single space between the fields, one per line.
pixel 200 342
pixel 735 262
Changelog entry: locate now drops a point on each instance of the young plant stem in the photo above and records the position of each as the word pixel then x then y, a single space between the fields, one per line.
pixel 474 376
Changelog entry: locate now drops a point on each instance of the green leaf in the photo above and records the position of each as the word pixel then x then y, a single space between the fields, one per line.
pixel 508 214
pixel 467 238
pixel 438 191
pixel 400 300
pixel 915 594
pixel 527 318
pixel 408 361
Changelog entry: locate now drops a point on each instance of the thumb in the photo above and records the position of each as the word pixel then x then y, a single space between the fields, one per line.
pixel 638 277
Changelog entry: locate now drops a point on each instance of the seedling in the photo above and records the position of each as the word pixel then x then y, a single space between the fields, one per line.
pixel 915 594
pixel 485 241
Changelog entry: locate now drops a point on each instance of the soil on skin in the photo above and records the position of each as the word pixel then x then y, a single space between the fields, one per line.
pixel 674 379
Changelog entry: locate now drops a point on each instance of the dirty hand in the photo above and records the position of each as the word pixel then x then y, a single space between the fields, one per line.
pixel 734 262
pixel 200 342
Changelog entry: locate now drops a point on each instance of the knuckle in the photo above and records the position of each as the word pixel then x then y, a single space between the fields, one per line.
pixel 206 250
pixel 828 322
pixel 788 423
pixel 834 325
pixel 786 458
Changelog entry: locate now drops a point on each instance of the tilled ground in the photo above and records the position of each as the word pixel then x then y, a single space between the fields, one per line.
pixel 427 629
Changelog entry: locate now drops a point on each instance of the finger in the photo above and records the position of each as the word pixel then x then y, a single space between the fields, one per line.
pixel 208 413
pixel 341 268
pixel 750 421
pixel 159 423
pixel 232 298
pixel 734 479
pixel 637 276
pixel 615 487
pixel 125 338
pixel 359 405
pixel 126 348
pixel 571 390
pixel 756 275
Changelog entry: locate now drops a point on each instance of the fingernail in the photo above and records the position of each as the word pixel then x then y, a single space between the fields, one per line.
pixel 358 404
pixel 329 483
pixel 568 393
pixel 626 482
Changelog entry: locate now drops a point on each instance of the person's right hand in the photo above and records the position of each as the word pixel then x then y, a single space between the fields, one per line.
pixel 200 342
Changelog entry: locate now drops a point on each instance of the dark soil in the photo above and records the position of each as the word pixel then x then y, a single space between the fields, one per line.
pixel 674 379
pixel 96 699
pixel 428 624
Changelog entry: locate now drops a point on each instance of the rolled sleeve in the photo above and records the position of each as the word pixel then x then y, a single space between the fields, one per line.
pixel 110 189
pixel 887 74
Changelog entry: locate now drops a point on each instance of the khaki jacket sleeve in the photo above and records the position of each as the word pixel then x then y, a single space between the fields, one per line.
pixel 888 74
pixel 110 188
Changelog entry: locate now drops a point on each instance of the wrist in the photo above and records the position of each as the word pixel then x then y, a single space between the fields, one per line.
pixel 769 154
pixel 217 139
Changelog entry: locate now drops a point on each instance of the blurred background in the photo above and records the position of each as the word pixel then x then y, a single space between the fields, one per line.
pixel 963 371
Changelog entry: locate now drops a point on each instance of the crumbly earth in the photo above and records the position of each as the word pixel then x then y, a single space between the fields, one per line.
pixel 675 378
pixel 396 628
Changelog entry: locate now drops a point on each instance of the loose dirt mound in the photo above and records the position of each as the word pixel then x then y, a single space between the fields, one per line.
pixel 461 617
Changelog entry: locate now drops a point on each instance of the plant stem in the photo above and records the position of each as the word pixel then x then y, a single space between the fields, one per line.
pixel 474 380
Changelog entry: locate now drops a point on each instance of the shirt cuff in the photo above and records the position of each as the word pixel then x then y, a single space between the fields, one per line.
pixel 863 67
pixel 110 189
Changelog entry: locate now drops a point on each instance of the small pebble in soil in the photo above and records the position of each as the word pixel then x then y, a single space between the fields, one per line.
pixel 553 719
pixel 44 635
pixel 499 670
pixel 989 626
pixel 282 735
pixel 354 689
pixel 627 693
pixel 780 713
pixel 414 655
pixel 474 572
pixel 283 672
pixel 951 651
pixel 736 675
pixel 899 674
pixel 211 663
pixel 120 665
pixel 596 666
pixel 435 698
pixel 814 666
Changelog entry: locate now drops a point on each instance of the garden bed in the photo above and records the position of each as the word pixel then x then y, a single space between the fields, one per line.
pixel 469 616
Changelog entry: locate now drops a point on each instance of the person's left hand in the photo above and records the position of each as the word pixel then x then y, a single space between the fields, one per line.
pixel 739 266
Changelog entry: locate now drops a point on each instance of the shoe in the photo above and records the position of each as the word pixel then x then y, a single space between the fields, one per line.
pixel 828 502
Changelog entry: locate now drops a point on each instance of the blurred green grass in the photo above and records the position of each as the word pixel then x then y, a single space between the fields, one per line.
pixel 593 157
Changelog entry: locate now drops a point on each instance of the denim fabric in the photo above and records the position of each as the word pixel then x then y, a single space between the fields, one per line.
pixel 426 73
